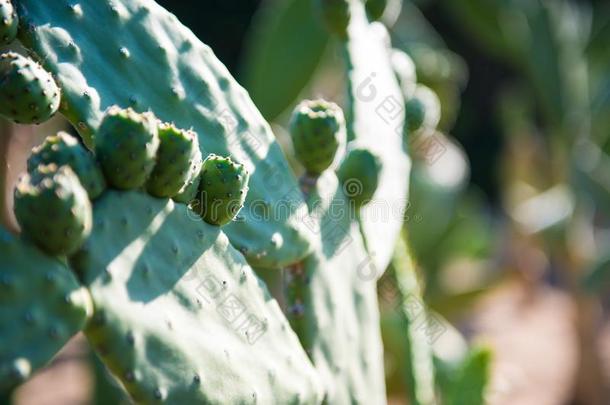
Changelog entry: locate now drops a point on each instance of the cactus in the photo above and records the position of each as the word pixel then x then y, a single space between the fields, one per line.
pixel 179 316
pixel 359 175
pixel 318 132
pixel 126 145
pixel 29 94
pixel 53 209
pixel 192 89
pixel 375 119
pixel 42 306
pixel 64 149
pixel 178 162
pixel 9 22
pixel 222 190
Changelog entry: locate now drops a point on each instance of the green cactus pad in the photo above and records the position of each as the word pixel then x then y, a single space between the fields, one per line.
pixel 41 307
pixel 318 133
pixel 65 149
pixel 336 15
pixel 29 94
pixel 222 190
pixel 178 162
pixel 375 118
pixel 340 310
pixel 126 145
pixel 53 209
pixel 181 81
pixel 9 22
pixel 359 175
pixel 180 317
pixel 417 339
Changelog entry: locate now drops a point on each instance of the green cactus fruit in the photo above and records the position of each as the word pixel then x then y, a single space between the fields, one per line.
pixel 53 210
pixel 422 110
pixel 375 8
pixel 178 162
pixel 28 93
pixel 318 132
pixel 65 149
pixel 336 15
pixel 359 175
pixel 222 190
pixel 9 22
pixel 126 144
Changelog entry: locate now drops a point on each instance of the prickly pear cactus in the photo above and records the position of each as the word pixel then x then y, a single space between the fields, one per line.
pixel 222 190
pixel 338 303
pixel 29 94
pixel 64 149
pixel 53 209
pixel 180 317
pixel 178 162
pixel 126 145
pixel 375 117
pixel 318 135
pixel 42 306
pixel 9 22
pixel 192 89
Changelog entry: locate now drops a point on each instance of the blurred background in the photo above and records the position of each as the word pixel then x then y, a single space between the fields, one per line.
pixel 509 224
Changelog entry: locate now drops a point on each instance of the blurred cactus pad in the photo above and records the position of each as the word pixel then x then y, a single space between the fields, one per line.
pixel 167 225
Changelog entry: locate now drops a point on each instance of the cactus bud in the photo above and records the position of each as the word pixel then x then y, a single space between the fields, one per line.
pixel 29 94
pixel 359 174
pixel 222 190
pixel 318 132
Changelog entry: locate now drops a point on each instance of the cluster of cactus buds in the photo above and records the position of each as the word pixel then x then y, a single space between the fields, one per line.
pixel 133 150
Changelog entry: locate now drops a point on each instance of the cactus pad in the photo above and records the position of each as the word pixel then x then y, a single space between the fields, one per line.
pixel 41 307
pixel 375 117
pixel 179 315
pixel 178 162
pixel 53 209
pixel 64 149
pixel 9 22
pixel 340 308
pixel 318 132
pixel 181 81
pixel 126 145
pixel 222 190
pixel 29 94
